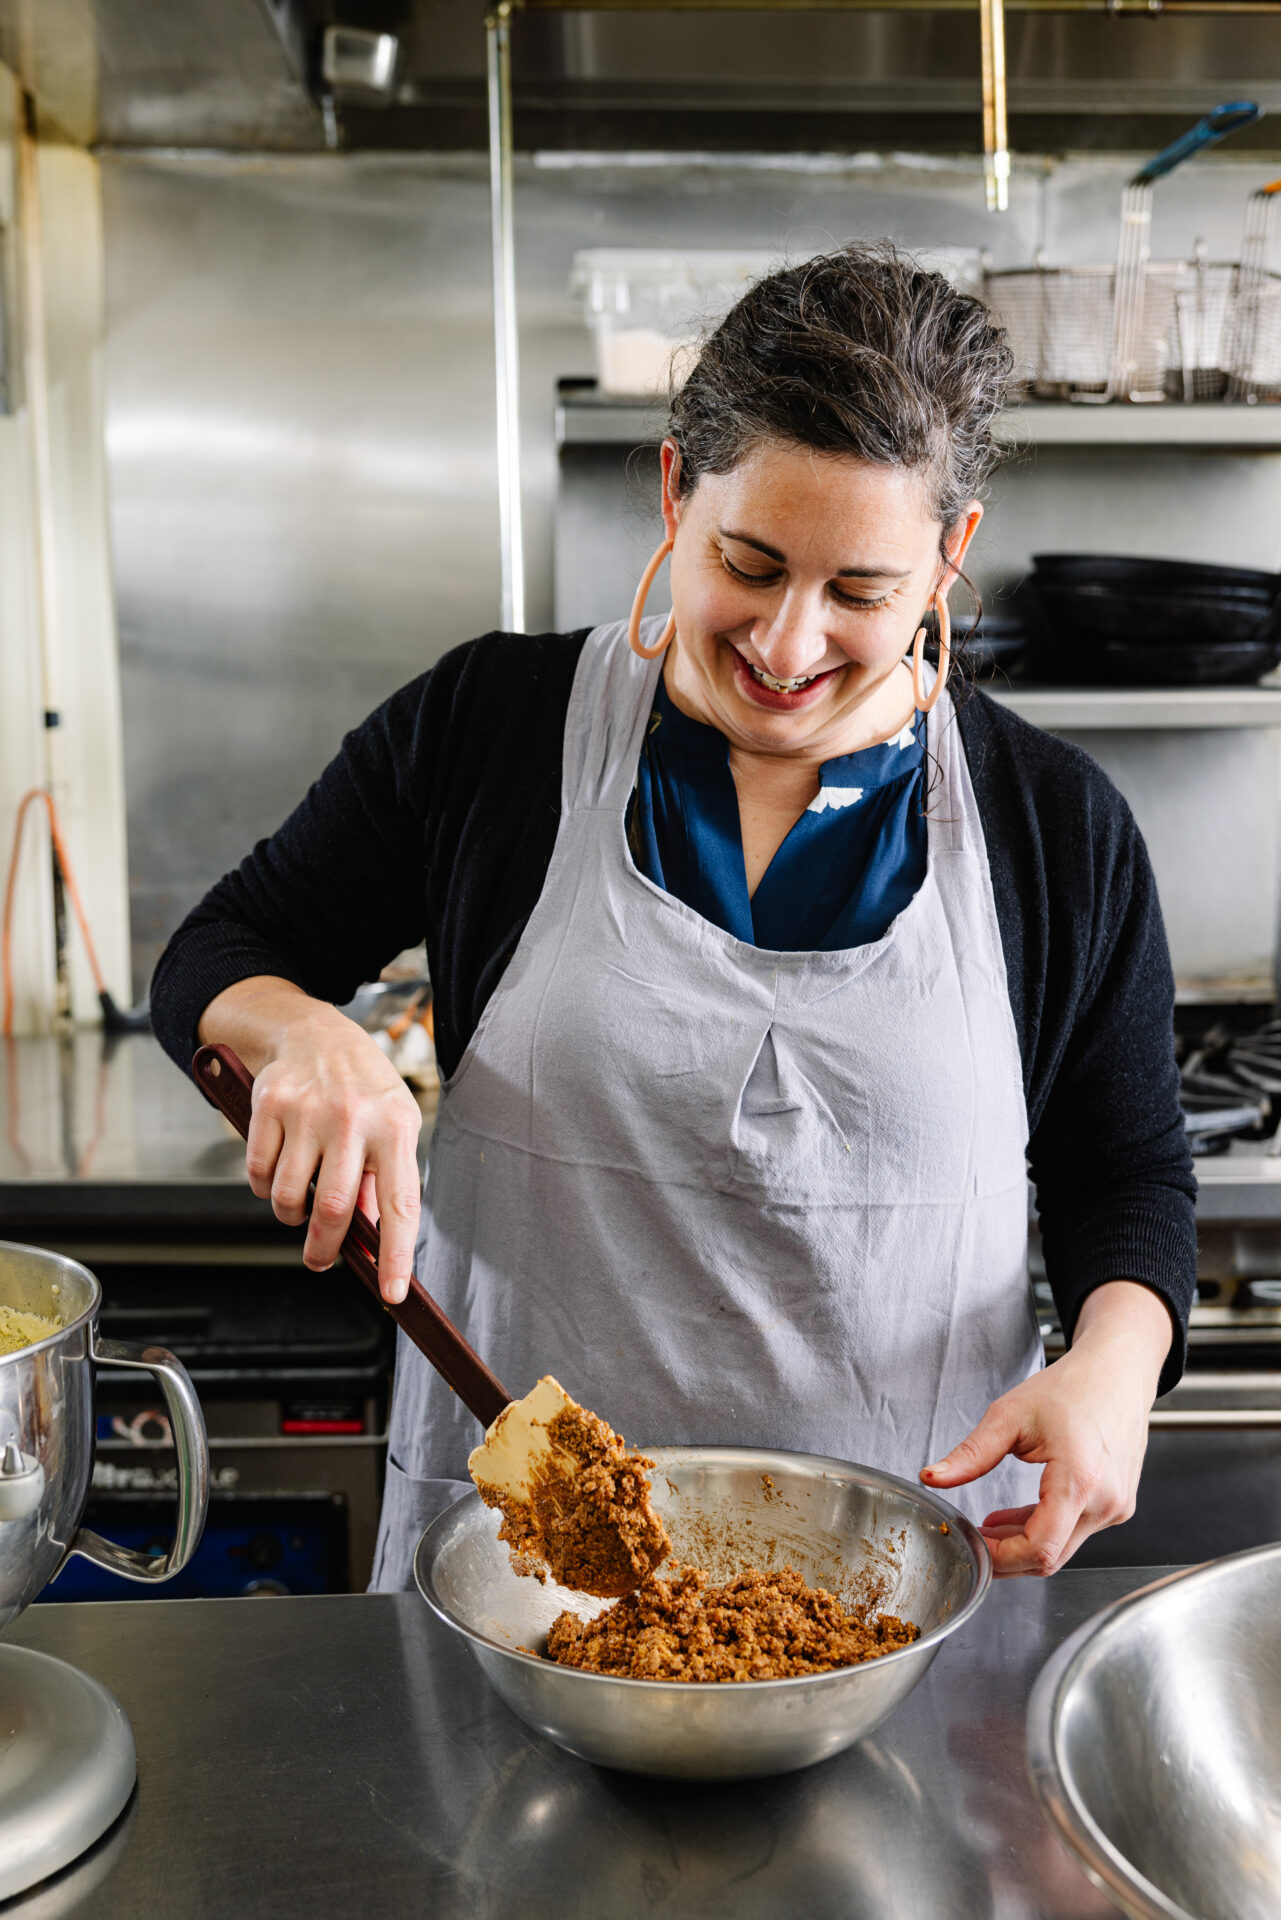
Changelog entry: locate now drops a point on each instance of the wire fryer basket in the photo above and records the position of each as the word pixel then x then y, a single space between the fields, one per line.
pixel 1061 325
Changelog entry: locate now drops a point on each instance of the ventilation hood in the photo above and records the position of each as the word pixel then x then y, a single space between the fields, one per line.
pixel 251 75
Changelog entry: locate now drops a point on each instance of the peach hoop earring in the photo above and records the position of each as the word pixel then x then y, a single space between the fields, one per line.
pixel 638 608
pixel 925 703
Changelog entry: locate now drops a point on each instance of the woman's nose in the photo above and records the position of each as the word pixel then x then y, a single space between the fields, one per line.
pixel 794 640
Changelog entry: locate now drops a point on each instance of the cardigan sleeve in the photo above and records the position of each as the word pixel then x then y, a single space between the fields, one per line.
pixel 1109 1156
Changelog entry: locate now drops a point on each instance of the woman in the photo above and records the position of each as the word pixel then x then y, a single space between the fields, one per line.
pixel 764 963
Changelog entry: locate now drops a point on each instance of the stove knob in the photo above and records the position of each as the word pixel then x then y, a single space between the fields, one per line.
pixel 264 1550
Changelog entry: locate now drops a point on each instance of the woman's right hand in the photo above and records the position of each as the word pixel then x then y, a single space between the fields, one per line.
pixel 327 1105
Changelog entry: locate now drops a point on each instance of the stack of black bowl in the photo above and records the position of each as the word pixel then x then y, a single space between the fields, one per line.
pixel 1142 623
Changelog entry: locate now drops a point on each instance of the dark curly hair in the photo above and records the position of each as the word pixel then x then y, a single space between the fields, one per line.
pixel 861 351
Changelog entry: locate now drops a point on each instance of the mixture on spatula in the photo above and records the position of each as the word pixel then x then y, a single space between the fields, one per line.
pixel 575 1503
pixel 758 1626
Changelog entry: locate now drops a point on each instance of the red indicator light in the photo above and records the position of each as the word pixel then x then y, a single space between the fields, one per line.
pixel 322 1426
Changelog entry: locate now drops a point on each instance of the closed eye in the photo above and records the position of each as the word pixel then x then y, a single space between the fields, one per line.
pixel 750 579
pixel 856 600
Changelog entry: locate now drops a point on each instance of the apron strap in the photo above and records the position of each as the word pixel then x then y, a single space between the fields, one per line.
pixel 609 709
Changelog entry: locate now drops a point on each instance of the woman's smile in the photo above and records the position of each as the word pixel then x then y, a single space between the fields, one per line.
pixel 776 695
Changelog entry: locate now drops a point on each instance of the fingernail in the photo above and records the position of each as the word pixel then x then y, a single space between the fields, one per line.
pixel 936 1468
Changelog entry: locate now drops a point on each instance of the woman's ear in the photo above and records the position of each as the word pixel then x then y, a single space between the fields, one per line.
pixel 957 542
pixel 670 458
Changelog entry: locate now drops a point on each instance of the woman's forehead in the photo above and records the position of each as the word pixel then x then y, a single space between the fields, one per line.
pixel 787 496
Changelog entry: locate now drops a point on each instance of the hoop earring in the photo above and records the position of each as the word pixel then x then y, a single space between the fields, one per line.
pixel 638 608
pixel 925 703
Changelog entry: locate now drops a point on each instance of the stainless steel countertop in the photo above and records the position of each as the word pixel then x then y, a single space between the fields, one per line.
pixel 109 1129
pixel 343 1755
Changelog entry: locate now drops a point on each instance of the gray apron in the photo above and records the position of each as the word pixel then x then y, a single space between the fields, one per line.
pixel 724 1194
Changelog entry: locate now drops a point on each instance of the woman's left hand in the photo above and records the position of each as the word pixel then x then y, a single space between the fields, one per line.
pixel 1086 1418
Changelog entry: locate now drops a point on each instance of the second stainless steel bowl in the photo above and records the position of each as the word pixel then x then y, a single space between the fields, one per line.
pixel 1153 1743
pixel 726 1508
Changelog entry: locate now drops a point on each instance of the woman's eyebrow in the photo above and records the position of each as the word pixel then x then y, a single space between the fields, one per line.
pixel 842 573
pixel 746 540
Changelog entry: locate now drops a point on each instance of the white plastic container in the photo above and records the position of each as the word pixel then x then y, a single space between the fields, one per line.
pixel 647 309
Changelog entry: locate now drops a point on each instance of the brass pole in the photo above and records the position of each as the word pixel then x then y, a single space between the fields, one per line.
pixel 996 139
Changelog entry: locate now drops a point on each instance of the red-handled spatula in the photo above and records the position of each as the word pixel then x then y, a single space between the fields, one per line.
pixel 570 1494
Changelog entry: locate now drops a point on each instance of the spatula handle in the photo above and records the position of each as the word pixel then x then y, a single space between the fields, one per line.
pixel 223 1076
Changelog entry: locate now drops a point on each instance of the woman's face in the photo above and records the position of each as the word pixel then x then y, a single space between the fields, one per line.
pixel 809 569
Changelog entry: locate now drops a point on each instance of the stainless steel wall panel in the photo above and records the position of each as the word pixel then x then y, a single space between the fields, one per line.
pixel 300 430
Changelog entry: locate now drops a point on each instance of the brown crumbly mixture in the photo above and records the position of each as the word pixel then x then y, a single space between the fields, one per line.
pixel 594 1529
pixel 759 1626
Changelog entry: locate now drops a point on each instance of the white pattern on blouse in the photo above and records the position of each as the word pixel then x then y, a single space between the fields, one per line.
pixel 834 797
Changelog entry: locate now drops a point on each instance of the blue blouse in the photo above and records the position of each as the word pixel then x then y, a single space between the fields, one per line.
pixel 851 863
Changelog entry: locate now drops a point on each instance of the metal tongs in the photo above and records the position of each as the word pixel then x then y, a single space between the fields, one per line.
pixel 1251 286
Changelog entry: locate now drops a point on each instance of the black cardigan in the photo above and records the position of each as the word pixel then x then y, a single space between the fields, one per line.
pixel 437 819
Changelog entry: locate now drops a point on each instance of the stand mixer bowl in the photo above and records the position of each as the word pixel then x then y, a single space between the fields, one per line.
pixel 47 1431
pixel 67 1765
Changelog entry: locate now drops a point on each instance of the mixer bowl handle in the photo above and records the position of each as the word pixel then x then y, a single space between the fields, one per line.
pixel 191 1449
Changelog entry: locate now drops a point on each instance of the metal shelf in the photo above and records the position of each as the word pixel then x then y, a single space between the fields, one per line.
pixel 1077 709
pixel 593 419
pixel 1209 428
pixel 602 420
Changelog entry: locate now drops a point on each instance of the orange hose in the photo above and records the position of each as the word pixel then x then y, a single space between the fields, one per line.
pixel 63 859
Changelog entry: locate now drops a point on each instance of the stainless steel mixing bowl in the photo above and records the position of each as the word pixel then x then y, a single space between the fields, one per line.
pixel 846 1528
pixel 47 1433
pixel 1154 1743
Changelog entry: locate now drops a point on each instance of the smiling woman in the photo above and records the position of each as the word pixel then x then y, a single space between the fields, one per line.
pixel 763 968
pixel 819 491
